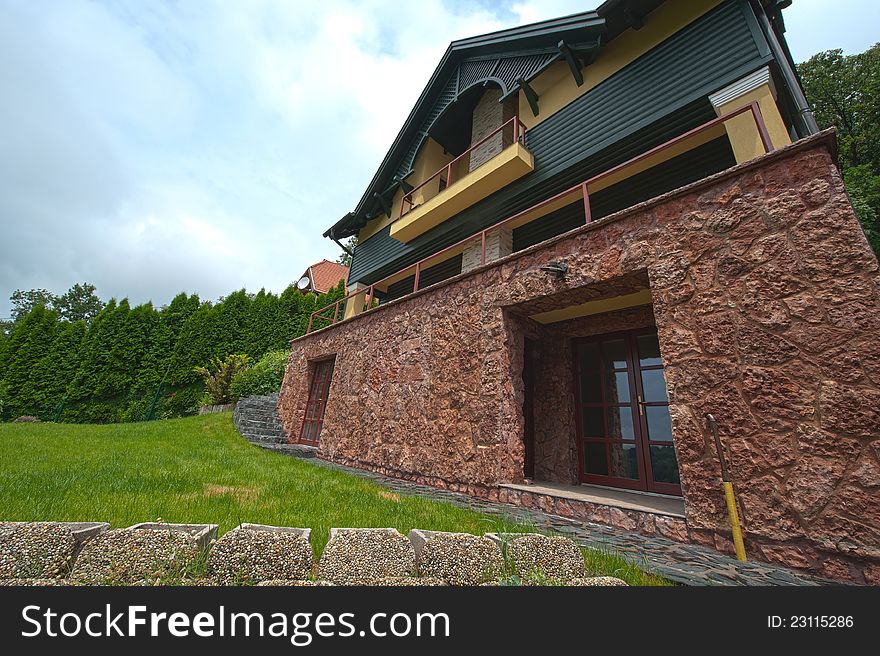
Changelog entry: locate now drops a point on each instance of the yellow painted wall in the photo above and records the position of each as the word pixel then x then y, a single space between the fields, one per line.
pixel 642 297
pixel 742 131
pixel 430 159
pixel 556 87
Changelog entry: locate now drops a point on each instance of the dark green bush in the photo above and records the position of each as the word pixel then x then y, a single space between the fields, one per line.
pixel 263 378
pixel 109 369
pixel 218 377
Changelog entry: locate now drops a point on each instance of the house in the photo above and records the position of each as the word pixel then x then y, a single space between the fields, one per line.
pixel 589 234
pixel 321 277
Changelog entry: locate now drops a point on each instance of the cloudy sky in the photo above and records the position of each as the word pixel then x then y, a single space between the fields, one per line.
pixel 154 147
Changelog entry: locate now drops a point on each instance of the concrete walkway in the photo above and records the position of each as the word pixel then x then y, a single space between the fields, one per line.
pixel 683 563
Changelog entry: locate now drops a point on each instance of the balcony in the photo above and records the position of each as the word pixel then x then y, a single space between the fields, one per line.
pixel 418 215
pixel 368 298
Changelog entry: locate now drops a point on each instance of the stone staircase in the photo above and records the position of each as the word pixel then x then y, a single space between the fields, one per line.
pixel 258 423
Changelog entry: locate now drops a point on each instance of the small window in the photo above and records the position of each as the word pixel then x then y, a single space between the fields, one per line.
pixel 319 388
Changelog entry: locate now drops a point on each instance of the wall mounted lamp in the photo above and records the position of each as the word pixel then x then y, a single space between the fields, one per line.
pixel 559 269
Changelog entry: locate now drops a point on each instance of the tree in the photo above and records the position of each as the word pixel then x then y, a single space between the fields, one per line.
pixel 54 372
pixel 844 92
pixel 79 303
pixel 25 301
pixel 29 343
pixel 344 257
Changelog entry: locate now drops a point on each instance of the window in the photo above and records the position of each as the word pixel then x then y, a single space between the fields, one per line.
pixel 319 388
pixel 623 421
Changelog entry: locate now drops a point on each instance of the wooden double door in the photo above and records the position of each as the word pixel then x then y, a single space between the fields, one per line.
pixel 622 409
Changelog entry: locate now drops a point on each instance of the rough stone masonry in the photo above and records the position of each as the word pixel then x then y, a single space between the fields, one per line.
pixel 766 299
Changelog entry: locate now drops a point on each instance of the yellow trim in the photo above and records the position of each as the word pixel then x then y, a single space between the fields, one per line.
pixel 556 87
pixel 510 164
pixel 742 131
pixel 641 297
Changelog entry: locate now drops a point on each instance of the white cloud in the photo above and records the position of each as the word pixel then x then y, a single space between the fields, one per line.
pixel 165 146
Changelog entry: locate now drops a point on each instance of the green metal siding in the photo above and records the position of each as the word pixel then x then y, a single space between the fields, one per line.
pixel 686 168
pixel 428 277
pixel 660 95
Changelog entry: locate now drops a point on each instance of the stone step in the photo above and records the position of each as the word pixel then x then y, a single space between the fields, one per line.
pixel 267 434
pixel 270 422
pixel 269 404
pixel 298 450
pixel 257 421
pixel 269 411
pixel 261 440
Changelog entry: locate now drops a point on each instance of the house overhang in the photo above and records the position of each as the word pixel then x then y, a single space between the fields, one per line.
pixel 510 164
pixel 574 39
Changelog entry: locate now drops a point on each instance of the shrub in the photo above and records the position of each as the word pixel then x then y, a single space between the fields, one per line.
pixel 219 377
pixel 263 378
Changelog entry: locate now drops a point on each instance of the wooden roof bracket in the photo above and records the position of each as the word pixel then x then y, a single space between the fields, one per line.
pixel 573 64
pixel 530 94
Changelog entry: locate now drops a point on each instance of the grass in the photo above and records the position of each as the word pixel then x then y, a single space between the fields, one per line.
pixel 199 470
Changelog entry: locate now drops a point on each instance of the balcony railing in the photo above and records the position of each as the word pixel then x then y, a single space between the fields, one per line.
pixel 368 294
pixel 519 130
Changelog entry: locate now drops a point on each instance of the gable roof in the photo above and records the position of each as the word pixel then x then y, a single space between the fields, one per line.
pixel 325 275
pixel 506 57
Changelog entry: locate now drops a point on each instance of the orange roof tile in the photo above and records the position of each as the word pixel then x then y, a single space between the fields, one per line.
pixel 326 275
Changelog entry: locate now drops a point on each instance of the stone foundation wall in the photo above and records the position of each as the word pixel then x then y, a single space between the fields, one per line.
pixel 766 299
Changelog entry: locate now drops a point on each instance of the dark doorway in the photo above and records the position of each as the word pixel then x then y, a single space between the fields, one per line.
pixel 319 388
pixel 530 363
pixel 622 413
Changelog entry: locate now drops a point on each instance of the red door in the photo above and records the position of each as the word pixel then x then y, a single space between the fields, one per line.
pixel 319 388
pixel 622 413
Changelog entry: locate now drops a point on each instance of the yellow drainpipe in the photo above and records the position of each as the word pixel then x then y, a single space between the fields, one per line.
pixel 729 496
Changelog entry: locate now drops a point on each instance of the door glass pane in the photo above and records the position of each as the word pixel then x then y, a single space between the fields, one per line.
pixel 620 423
pixel 659 425
pixel 614 354
pixel 617 387
pixel 591 387
pixel 588 355
pixel 654 385
pixel 649 350
pixel 594 458
pixel 623 460
pixel 664 464
pixel 592 422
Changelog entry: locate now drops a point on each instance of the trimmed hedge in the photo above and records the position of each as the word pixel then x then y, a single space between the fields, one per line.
pixel 110 371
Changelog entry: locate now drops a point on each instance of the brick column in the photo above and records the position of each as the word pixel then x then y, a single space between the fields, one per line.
pixel 498 244
pixel 489 115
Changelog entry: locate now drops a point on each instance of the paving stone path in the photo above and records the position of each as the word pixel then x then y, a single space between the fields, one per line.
pixel 683 563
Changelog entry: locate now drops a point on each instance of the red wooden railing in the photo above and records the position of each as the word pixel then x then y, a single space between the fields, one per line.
pixel 753 108
pixel 519 131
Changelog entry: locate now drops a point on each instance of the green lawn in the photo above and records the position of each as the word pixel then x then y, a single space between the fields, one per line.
pixel 199 470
